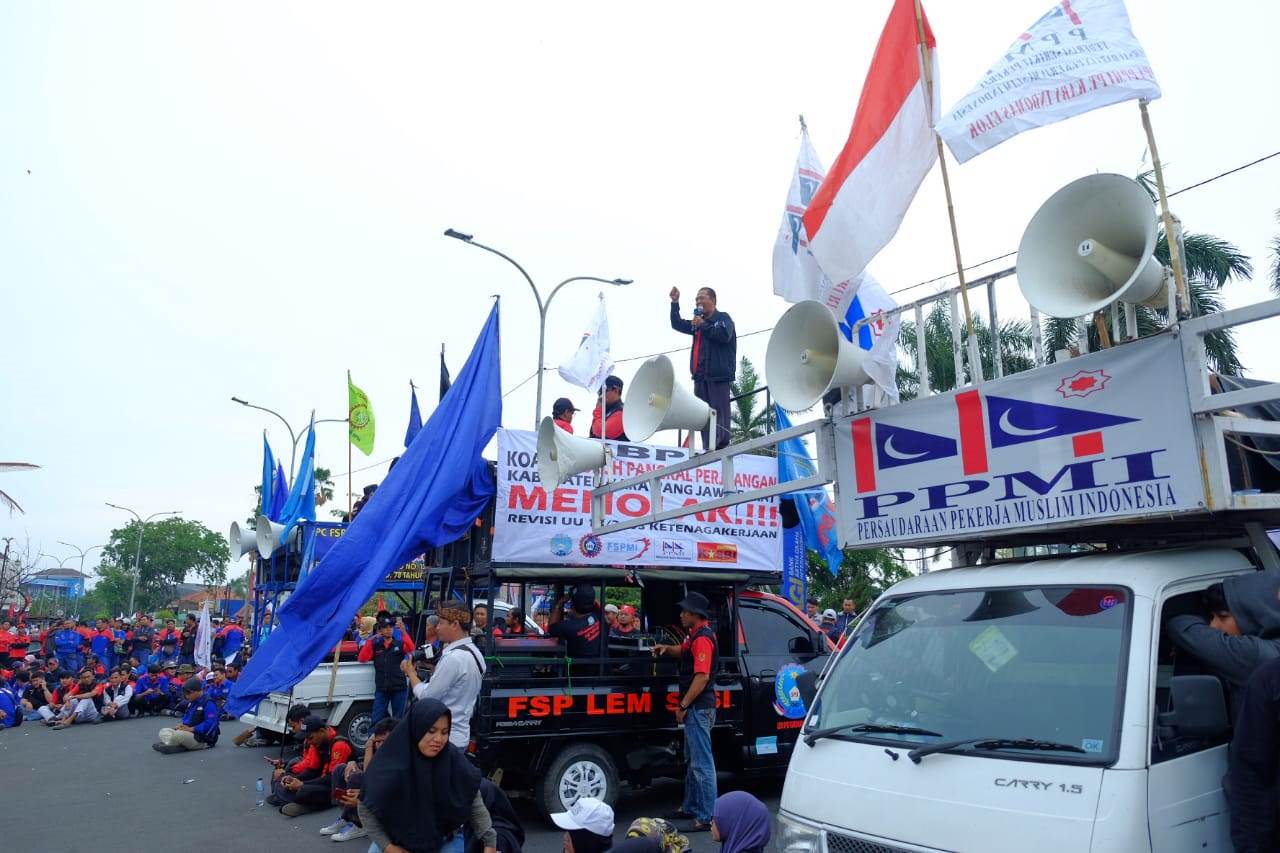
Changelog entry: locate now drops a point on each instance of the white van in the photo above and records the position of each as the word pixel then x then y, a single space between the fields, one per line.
pixel 1030 706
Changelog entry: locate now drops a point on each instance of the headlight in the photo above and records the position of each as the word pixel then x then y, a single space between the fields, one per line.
pixel 797 837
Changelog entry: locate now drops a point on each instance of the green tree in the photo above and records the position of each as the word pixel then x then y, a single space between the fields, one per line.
pixel 324 494
pixel 749 417
pixel 172 549
pixel 864 574
pixel 1275 262
pixel 1015 350
pixel 1211 263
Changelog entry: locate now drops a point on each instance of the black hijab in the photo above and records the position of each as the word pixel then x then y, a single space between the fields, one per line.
pixel 419 800
pixel 505 821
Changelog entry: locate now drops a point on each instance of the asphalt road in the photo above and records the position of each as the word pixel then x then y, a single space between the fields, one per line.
pixel 103 786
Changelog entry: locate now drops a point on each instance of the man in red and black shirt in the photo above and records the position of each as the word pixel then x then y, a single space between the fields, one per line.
pixel 562 412
pixel 582 628
pixel 612 411
pixel 306 784
pixel 697 709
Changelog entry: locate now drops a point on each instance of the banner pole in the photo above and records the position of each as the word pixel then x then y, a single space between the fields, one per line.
pixel 1170 227
pixel 975 361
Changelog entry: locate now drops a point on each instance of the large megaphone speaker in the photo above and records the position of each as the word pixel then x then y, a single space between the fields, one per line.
pixel 1090 244
pixel 269 536
pixel 561 455
pixel 655 401
pixel 241 541
pixel 808 356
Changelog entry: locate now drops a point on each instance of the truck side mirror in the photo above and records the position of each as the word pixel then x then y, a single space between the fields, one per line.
pixel 801 645
pixel 1199 707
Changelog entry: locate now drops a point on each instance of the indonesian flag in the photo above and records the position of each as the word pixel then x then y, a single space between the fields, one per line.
pixel 890 149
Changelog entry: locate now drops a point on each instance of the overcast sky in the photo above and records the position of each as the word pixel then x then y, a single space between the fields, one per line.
pixel 200 201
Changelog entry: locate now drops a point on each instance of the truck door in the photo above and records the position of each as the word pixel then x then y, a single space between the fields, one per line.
pixel 776 646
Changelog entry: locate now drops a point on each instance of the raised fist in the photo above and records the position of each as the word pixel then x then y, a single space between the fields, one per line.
pixel 675 294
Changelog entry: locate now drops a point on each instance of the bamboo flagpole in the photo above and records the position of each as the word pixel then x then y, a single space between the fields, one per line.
pixel 975 361
pixel 1170 225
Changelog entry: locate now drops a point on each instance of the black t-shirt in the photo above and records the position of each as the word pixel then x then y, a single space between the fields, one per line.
pixel 581 635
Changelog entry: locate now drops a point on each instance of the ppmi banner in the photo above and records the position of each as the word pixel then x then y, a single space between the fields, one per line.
pixel 1104 437
pixel 534 525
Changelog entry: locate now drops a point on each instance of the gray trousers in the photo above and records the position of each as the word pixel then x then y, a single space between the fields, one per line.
pixel 715 395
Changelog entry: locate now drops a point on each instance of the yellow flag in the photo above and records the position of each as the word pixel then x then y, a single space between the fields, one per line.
pixel 360 417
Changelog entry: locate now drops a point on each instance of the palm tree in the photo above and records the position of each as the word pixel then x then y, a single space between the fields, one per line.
pixel 1275 262
pixel 5 499
pixel 324 486
pixel 1210 262
pixel 1015 350
pixel 748 418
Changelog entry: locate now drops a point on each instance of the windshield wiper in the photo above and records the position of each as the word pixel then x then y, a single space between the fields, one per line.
pixel 866 728
pixel 991 743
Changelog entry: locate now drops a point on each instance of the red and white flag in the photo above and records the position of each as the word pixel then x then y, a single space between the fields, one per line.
pixel 891 147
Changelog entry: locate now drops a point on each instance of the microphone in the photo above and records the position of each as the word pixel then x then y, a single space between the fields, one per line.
pixel 697 312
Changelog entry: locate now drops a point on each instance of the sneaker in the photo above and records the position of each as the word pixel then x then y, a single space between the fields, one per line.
pixel 295 809
pixel 334 828
pixel 352 833
pixel 167 749
pixel 273 800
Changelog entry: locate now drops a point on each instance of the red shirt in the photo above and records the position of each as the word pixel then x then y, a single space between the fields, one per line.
pixel 7 641
pixel 612 423
pixel 312 760
pixel 564 425
pixel 366 648
pixel 702 650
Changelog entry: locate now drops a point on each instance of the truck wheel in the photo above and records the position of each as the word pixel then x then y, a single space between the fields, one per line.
pixel 579 770
pixel 357 725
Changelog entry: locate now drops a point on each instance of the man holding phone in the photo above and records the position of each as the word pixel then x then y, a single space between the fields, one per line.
pixel 387 649
pixel 713 361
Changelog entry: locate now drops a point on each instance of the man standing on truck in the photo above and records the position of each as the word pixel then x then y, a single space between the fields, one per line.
pixel 582 628
pixel 388 651
pixel 457 676
pixel 713 361
pixel 697 708
pixel 1242 633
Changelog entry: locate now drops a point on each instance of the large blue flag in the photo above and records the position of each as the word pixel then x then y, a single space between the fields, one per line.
pixel 279 494
pixel 301 505
pixel 268 474
pixel 817 518
pixel 430 498
pixel 415 417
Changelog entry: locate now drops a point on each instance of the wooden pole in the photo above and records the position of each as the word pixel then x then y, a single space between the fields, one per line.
pixel 975 362
pixel 1170 228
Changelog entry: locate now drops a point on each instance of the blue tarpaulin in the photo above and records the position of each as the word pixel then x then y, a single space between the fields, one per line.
pixel 430 498
pixel 817 518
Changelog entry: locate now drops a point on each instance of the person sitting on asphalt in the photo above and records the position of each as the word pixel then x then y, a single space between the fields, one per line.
pixel 1241 633
pixel 82 703
pixel 177 690
pixel 10 707
pixel 741 823
pixel 116 697
pixel 345 783
pixel 57 696
pixel 199 726
pixel 587 825
pixel 506 823
pixel 37 694
pixel 293 727
pixel 148 696
pixel 659 835
pixel 305 785
pixel 168 652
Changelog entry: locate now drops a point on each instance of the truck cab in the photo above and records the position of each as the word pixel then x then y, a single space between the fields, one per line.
pixel 1062 716
pixel 560 728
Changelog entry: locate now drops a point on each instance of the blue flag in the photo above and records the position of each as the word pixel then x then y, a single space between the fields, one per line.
pixel 279 494
pixel 268 473
pixel 817 518
pixel 301 505
pixel 415 417
pixel 430 498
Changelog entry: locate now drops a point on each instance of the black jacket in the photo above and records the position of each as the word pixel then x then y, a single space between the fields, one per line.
pixel 1255 764
pixel 715 344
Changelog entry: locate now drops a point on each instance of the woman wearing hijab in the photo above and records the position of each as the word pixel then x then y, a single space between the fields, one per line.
pixel 505 821
pixel 741 823
pixel 420 791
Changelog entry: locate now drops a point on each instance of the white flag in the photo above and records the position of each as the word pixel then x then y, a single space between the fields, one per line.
pixel 879 336
pixel 588 367
pixel 204 639
pixel 1081 55
pixel 796 275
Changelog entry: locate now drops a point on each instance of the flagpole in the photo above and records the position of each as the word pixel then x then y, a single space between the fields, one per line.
pixel 350 487
pixel 1170 227
pixel 975 362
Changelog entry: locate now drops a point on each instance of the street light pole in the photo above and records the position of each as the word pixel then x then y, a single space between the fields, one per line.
pixel 543 307
pixel 137 557
pixel 293 437
pixel 82 552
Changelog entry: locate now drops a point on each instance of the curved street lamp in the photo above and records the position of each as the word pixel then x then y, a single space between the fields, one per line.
pixel 137 558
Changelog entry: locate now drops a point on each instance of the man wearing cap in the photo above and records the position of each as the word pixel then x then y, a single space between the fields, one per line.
pixel 612 411
pixel 587 825
pixel 627 624
pixel 459 671
pixel 168 653
pixel 562 412
pixel 713 361
pixel 828 624
pixel 611 617
pixel 580 629
pixel 387 649
pixel 199 726
pixel 697 708
pixel 306 785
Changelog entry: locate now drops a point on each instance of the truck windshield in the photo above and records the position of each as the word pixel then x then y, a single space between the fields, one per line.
pixel 1034 663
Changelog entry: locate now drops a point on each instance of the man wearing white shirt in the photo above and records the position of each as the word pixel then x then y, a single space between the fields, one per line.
pixel 115 698
pixel 456 679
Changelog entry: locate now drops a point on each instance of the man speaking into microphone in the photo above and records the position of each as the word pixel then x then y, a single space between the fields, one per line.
pixel 713 361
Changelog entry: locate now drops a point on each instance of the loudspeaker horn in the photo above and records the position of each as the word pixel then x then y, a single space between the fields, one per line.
pixel 808 356
pixel 241 541
pixel 655 401
pixel 1092 243
pixel 269 536
pixel 561 455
